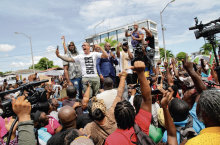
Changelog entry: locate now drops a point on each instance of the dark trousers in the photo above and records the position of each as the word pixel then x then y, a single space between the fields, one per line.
pixel 129 79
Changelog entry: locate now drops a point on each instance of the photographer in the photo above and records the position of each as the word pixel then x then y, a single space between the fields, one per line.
pixel 137 36
pixel 125 58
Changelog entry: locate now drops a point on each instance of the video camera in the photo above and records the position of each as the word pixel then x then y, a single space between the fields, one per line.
pixel 209 34
pixel 33 97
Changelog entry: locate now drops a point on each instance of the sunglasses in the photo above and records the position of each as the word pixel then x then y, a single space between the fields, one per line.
pixel 83 45
pixel 71 45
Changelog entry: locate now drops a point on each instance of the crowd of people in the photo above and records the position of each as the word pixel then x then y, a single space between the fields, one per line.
pixel 119 98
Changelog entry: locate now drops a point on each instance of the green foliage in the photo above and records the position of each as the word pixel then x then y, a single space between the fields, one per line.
pixel 1 73
pixel 180 56
pixel 207 48
pixel 113 43
pixel 168 53
pixel 55 66
pixel 42 64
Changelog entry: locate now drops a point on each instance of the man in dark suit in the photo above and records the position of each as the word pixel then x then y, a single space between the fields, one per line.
pixel 105 66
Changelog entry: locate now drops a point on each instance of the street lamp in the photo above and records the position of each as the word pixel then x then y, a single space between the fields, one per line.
pixel 95 31
pixel 31 48
pixel 164 29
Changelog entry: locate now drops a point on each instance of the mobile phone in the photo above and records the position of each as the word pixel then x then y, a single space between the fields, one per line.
pixel 5 80
pixel 85 83
pixel 159 79
pixel 57 47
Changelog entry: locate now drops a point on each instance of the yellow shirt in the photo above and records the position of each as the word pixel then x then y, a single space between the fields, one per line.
pixel 207 136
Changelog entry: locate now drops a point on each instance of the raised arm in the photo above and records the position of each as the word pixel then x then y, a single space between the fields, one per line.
pixel 129 53
pixel 127 34
pixel 176 73
pixel 104 54
pixel 68 59
pixel 214 74
pixel 171 129
pixel 157 68
pixel 86 97
pixel 64 44
pixel 17 79
pixel 118 50
pixel 199 85
pixel 139 67
pixel 121 87
pixel 169 77
pixel 148 33
pixel 141 37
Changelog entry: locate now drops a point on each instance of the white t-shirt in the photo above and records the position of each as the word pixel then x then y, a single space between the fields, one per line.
pixel 88 63
pixel 129 71
pixel 108 96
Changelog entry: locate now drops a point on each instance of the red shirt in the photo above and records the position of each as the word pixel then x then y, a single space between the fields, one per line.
pixel 122 137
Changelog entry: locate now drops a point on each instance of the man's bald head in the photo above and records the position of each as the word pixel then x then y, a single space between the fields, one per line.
pixel 135 26
pixel 67 117
pixel 107 46
pixel 108 83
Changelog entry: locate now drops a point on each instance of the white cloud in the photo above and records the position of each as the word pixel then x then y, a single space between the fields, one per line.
pixel 6 47
pixel 6 55
pixel 50 48
pixel 19 64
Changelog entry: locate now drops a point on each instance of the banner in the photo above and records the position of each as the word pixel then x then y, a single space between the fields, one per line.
pixel 42 77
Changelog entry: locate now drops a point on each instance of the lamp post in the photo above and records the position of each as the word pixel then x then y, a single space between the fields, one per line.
pixel 164 29
pixel 95 31
pixel 31 49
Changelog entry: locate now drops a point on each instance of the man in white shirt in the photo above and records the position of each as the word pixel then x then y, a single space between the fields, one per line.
pixel 125 58
pixel 109 94
pixel 88 66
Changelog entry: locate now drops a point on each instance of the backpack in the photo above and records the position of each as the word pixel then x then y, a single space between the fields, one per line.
pixel 143 138
pixel 188 131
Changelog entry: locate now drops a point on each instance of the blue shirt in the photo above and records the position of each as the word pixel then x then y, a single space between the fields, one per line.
pixel 43 134
pixel 204 75
pixel 197 125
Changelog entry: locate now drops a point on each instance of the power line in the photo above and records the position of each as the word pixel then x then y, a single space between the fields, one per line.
pixel 22 54
pixel 20 59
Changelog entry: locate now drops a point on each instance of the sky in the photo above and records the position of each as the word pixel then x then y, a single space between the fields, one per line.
pixel 47 21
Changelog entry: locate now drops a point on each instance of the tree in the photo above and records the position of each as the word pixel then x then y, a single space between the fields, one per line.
pixel 42 64
pixel 1 73
pixel 169 54
pixel 180 56
pixel 207 48
pixel 113 43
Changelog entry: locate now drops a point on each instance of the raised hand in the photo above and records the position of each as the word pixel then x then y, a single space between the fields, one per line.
pixel 165 64
pixel 17 78
pixel 123 74
pixel 63 37
pixel 139 66
pixel 112 55
pixel 119 45
pixel 77 104
pixel 187 64
pixel 167 97
pixel 173 62
pixel 159 62
pixel 57 53
pixel 32 77
pixel 22 108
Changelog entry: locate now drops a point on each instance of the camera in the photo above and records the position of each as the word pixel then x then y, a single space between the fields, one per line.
pixel 130 29
pixel 33 97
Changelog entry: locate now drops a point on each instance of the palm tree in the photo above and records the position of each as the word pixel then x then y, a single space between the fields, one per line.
pixel 169 54
pixel 113 43
pixel 207 48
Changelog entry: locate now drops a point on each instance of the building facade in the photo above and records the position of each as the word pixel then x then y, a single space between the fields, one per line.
pixel 119 35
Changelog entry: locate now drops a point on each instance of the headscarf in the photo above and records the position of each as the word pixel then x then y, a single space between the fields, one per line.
pixel 98 104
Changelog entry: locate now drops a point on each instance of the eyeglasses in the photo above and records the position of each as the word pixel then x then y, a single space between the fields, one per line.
pixel 71 45
pixel 83 45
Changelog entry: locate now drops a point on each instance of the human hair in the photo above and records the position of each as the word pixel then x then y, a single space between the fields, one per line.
pixel 67 137
pixel 89 106
pixel 98 115
pixel 186 74
pixel 124 115
pixel 175 89
pixel 71 91
pixel 39 121
pixel 179 109
pixel 87 43
pixel 108 82
pixel 209 102
pixel 42 106
pixel 137 102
